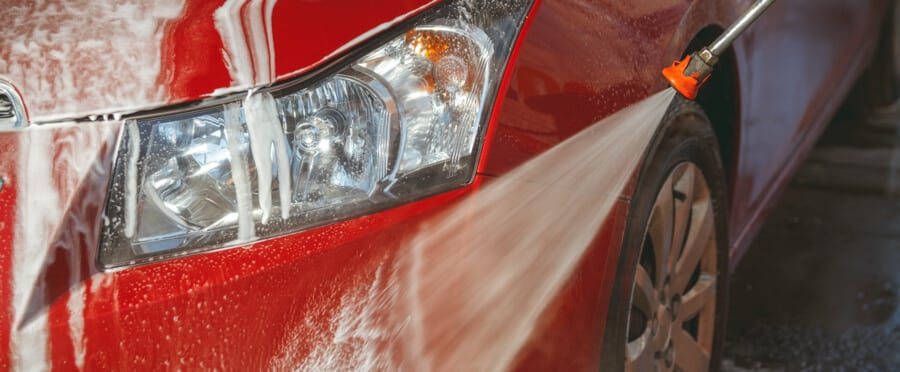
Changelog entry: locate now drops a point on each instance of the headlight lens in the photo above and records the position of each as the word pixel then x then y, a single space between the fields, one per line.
pixel 398 124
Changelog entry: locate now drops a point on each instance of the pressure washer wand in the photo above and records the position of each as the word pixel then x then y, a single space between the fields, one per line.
pixel 689 74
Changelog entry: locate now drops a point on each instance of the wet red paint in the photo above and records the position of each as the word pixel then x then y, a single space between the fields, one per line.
pixel 7 234
pixel 569 338
pixel 304 33
pixel 582 61
pixel 579 62
pixel 558 87
pixel 789 100
pixel 238 306
pixel 60 343
pixel 309 31
pixel 192 60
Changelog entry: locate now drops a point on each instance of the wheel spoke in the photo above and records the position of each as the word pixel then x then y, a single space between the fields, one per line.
pixel 661 227
pixel 685 189
pixel 644 293
pixel 702 294
pixel 640 351
pixel 689 355
pixel 679 250
pixel 700 237
pixel 644 362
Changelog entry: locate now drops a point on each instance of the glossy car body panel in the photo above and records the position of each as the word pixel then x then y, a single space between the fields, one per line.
pixel 794 69
pixel 270 304
pixel 263 306
pixel 810 53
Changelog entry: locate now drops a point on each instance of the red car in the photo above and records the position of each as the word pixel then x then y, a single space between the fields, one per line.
pixel 241 185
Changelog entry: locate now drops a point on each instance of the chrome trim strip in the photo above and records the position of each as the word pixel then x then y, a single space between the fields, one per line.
pixel 18 108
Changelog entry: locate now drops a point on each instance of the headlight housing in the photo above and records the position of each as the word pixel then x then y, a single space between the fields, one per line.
pixel 400 123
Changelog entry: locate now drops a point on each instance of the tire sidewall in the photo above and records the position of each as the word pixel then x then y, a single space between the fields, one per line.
pixel 685 135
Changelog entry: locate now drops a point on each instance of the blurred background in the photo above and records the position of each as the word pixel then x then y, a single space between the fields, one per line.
pixel 819 288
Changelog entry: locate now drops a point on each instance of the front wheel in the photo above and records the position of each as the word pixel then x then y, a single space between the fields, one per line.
pixel 667 310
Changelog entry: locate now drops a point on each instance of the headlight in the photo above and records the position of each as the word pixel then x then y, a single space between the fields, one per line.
pixel 400 123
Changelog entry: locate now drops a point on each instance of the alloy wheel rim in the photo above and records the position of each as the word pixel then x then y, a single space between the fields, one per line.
pixel 671 316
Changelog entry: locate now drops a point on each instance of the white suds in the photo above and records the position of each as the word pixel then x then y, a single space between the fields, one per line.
pixel 54 162
pixel 238 55
pixel 360 332
pixel 239 172
pixel 75 305
pixel 100 280
pixel 267 140
pixel 246 30
pixel 86 155
pixel 131 176
pixel 66 66
pixel 38 213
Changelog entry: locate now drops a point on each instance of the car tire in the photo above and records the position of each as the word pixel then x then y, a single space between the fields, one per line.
pixel 684 152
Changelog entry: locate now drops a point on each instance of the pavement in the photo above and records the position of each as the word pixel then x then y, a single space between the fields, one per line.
pixel 819 290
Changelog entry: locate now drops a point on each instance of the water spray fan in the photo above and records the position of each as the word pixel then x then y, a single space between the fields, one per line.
pixel 690 73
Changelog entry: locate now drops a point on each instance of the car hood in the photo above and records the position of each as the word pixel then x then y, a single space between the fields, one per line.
pixel 72 59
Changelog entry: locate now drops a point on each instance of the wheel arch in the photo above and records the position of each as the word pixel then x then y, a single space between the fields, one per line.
pixel 720 99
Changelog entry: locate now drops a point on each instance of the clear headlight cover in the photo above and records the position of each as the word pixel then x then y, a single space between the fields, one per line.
pixel 398 124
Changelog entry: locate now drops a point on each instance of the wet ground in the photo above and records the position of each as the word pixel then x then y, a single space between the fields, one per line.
pixel 820 288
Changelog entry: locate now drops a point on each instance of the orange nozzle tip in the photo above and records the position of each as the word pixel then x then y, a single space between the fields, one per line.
pixel 685 84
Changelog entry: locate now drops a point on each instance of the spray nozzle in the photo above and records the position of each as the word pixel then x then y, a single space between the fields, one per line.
pixel 690 73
